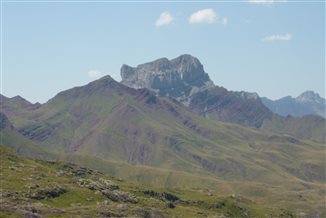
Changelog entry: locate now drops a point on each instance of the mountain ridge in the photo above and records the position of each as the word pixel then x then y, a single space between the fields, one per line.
pixel 174 78
pixel 119 123
pixel 306 103
pixel 140 135
pixel 184 79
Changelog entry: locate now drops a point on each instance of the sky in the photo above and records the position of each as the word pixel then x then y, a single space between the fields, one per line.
pixel 273 48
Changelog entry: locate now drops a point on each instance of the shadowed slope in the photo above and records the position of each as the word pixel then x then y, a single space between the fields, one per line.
pixel 109 120
pixel 184 79
pixel 136 134
pixel 18 143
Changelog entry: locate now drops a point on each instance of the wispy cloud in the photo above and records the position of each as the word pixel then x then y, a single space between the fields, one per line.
pixel 261 2
pixel 246 20
pixel 203 16
pixel 278 37
pixel 265 2
pixel 95 74
pixel 164 19
pixel 225 21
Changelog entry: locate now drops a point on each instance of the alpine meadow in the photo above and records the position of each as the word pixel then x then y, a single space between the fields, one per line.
pixel 175 134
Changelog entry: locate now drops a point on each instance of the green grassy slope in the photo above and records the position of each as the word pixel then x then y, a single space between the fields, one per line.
pixel 293 193
pixel 20 144
pixel 32 188
pixel 309 127
pixel 157 141
pixel 17 108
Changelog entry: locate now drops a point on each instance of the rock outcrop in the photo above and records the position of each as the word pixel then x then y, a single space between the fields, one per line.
pixel 185 80
pixel 177 78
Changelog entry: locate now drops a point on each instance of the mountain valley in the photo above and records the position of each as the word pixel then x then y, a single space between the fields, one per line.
pixel 167 126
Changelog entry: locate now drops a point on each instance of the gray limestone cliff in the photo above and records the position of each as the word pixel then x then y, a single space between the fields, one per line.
pixel 177 78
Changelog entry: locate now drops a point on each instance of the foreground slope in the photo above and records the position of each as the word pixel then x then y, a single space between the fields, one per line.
pixel 32 188
pixel 136 135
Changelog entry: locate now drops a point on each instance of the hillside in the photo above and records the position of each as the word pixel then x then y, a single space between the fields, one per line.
pixel 308 127
pixel 184 79
pixel 21 145
pixel 17 108
pixel 31 188
pixel 136 135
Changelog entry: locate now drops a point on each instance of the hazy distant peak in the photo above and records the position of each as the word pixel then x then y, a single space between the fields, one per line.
pixel 310 96
pixel 309 102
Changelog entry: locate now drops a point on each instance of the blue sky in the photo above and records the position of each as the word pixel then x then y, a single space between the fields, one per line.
pixel 272 48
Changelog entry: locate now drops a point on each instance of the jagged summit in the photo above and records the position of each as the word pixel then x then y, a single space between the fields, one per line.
pixel 184 63
pixel 184 79
pixel 309 102
pixel 177 78
pixel 310 96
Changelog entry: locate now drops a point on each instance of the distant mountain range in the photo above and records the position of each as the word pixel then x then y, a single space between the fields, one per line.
pixel 166 124
pixel 185 80
pixel 307 103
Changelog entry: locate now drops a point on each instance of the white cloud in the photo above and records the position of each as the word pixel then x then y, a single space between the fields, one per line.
pixel 224 21
pixel 95 74
pixel 265 2
pixel 203 16
pixel 164 19
pixel 278 37
pixel 262 2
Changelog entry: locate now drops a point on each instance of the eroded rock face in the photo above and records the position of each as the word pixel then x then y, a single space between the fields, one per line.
pixel 185 80
pixel 177 78
pixel 120 196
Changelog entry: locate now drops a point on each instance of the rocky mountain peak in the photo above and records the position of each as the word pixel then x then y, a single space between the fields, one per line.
pixel 307 103
pixel 189 68
pixel 157 65
pixel 178 77
pixel 187 60
pixel 101 86
pixel 310 96
pixel 248 95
